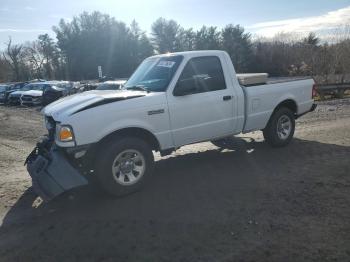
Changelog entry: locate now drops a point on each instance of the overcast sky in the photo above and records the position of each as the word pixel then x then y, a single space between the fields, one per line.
pixel 25 19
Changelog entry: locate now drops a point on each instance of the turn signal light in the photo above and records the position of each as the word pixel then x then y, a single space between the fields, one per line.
pixel 65 134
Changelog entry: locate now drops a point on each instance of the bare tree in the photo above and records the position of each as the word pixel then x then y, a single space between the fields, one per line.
pixel 5 70
pixel 50 53
pixel 341 52
pixel 13 56
pixel 33 52
pixel 332 58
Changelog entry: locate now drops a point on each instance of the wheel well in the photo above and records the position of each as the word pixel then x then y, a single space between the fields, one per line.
pixel 134 132
pixel 290 104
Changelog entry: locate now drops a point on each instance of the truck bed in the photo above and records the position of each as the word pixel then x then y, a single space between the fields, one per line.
pixel 252 78
pixel 262 99
pixel 275 80
pixel 262 79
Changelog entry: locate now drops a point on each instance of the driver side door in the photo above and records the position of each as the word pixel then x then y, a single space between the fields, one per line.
pixel 201 105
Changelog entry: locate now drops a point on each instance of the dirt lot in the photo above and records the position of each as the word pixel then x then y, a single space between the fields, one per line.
pixel 252 204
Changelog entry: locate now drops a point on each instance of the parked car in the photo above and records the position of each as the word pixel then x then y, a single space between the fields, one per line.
pixel 3 91
pixel 14 95
pixel 111 85
pixel 35 96
pixel 170 101
pixel 57 89
pixel 8 89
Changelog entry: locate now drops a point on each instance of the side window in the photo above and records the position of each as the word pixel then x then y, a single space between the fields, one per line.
pixel 201 74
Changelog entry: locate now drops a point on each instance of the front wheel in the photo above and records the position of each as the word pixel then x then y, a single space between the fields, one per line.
pixel 280 128
pixel 124 166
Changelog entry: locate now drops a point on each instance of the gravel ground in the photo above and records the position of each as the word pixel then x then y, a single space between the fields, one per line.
pixel 252 204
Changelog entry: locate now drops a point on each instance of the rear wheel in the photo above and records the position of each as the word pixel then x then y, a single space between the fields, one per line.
pixel 280 128
pixel 124 166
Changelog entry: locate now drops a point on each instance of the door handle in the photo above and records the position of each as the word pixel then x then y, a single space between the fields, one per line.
pixel 226 98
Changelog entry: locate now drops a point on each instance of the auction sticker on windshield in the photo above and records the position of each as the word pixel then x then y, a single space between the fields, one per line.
pixel 168 64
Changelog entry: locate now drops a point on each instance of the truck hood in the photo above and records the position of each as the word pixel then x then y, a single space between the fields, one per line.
pixel 75 103
pixel 36 93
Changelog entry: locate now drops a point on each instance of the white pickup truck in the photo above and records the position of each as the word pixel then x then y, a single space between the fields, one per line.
pixel 171 100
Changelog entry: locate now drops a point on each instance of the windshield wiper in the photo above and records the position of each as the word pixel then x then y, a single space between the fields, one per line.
pixel 138 87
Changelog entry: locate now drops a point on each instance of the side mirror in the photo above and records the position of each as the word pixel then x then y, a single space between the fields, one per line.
pixel 185 87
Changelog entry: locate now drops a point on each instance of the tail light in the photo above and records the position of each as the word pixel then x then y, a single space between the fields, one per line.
pixel 314 91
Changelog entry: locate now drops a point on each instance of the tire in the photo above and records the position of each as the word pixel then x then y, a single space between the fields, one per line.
pixel 274 133
pixel 115 173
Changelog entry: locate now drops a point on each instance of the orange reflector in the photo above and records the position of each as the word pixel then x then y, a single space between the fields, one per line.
pixel 66 134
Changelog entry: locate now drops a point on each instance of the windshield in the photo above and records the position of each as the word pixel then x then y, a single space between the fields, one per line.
pixel 2 88
pixel 155 73
pixel 108 87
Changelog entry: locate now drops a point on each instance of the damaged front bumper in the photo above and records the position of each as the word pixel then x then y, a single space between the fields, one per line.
pixel 51 172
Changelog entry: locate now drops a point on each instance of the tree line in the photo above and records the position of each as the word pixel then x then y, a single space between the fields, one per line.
pixel 96 39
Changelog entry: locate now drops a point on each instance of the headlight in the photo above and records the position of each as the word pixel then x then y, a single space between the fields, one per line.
pixel 65 134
